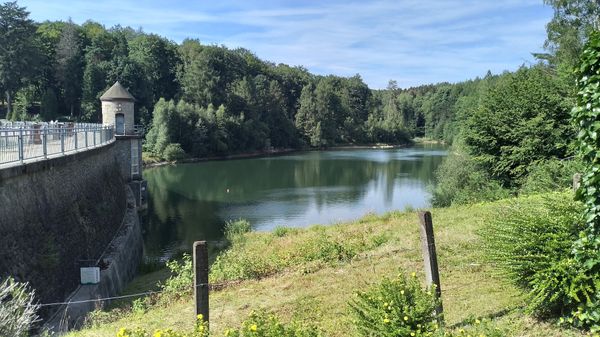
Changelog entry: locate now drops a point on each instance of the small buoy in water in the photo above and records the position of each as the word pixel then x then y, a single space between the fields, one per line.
pixel 227 190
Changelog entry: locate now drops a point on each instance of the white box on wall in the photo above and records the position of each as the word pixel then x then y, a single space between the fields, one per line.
pixel 90 275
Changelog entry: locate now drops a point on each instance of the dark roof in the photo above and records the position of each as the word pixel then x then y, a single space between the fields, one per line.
pixel 117 92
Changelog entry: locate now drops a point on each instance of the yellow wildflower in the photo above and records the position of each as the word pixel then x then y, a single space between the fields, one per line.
pixel 413 274
pixel 253 327
pixel 157 333
pixel 406 318
pixel 199 317
pixel 385 320
pixel 477 321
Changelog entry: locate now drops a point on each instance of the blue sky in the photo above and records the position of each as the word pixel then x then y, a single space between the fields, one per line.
pixel 411 41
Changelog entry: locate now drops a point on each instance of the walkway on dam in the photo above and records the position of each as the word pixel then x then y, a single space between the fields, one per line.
pixel 26 142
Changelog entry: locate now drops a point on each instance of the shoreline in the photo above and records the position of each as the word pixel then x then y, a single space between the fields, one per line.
pixel 278 152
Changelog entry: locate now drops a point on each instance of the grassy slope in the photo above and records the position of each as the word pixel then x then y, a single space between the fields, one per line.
pixel 318 290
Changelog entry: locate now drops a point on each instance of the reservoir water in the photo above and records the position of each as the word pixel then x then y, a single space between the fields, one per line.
pixel 190 202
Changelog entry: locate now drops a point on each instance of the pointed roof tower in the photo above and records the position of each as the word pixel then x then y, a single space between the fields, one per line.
pixel 117 93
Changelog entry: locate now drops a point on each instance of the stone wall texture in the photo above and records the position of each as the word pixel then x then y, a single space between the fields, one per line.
pixel 56 214
pixel 121 258
pixel 110 109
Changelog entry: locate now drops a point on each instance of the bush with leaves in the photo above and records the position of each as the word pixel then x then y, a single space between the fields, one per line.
pixel 460 180
pixel 523 118
pixel 173 152
pixel 530 240
pixel 182 278
pixel 395 308
pixel 17 309
pixel 586 116
pixel 550 175
pixel 235 230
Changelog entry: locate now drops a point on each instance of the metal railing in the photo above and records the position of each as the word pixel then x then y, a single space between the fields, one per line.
pixel 24 141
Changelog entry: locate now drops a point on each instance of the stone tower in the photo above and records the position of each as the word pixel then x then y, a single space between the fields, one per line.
pixel 118 111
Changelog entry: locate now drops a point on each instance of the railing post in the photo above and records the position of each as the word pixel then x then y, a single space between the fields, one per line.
pixel 94 136
pixel 20 143
pixel 86 135
pixel 62 140
pixel 75 133
pixel 45 142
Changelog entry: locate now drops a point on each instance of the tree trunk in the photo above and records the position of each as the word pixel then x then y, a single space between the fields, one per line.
pixel 8 105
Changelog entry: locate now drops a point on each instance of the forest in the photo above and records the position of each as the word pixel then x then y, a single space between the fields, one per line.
pixel 519 133
pixel 198 100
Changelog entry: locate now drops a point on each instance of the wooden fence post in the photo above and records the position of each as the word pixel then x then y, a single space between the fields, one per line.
pixel 432 273
pixel 201 279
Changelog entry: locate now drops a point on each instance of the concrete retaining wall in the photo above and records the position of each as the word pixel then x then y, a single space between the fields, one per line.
pixel 122 256
pixel 58 215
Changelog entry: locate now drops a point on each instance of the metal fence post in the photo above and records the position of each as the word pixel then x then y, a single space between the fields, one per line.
pixel 94 136
pixel 20 143
pixel 45 142
pixel 76 134
pixel 62 140
pixel 86 135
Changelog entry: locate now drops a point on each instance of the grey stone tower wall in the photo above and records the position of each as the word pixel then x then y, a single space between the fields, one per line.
pixel 110 109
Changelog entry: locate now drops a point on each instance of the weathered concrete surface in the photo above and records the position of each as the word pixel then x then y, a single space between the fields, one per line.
pixel 56 213
pixel 122 256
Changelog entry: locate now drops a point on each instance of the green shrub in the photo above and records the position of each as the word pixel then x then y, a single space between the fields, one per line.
pixel 235 230
pixel 182 279
pixel 395 307
pixel 460 180
pixel 531 241
pixel 239 264
pixel 281 231
pixel 585 116
pixel 317 246
pixel 263 324
pixel 173 152
pixel 551 175
pixel 17 309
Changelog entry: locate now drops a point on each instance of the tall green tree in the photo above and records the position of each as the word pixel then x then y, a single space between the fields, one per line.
pixel 69 66
pixel 160 61
pixel 18 53
pixel 569 29
pixel 522 119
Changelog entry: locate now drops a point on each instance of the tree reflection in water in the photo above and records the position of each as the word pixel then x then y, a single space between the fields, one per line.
pixel 191 202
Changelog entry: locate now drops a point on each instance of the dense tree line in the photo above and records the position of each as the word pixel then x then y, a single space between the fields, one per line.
pixel 199 100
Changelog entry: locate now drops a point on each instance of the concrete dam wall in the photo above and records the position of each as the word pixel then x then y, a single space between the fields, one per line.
pixel 61 214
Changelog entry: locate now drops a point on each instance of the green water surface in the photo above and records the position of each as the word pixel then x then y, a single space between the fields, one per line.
pixel 190 202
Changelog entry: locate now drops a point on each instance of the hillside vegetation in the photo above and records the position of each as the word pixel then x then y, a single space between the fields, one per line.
pixel 310 275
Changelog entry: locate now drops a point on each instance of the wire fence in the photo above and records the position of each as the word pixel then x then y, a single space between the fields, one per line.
pixel 211 286
pixel 26 141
